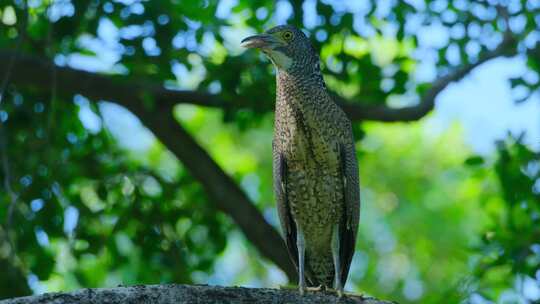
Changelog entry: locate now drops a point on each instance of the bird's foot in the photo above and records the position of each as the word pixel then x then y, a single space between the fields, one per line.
pixel 302 290
pixel 315 288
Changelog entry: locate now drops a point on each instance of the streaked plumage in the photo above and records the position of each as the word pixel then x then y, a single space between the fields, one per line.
pixel 315 167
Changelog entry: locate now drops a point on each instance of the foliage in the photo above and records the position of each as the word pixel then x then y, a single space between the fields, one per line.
pixel 434 195
pixel 101 202
pixel 90 213
pixel 510 252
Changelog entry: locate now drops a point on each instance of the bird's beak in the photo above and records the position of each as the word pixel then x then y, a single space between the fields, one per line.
pixel 262 41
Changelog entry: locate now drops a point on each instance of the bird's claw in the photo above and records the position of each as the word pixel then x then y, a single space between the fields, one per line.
pixel 315 289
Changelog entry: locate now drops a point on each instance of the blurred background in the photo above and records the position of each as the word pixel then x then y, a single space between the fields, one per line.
pixel 135 144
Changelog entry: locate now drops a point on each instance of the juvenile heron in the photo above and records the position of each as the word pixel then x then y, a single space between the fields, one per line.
pixel 315 167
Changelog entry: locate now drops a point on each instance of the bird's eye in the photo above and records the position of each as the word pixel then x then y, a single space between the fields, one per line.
pixel 287 35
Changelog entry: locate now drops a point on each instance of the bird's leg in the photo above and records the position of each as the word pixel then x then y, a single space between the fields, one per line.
pixel 337 263
pixel 301 245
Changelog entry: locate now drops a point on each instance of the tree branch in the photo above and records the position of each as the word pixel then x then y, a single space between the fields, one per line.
pixel 218 185
pixel 161 294
pixel 358 112
pixel 298 13
pixel 223 191
pixel 167 98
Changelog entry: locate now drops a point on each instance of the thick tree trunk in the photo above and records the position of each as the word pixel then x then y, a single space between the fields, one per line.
pixel 200 294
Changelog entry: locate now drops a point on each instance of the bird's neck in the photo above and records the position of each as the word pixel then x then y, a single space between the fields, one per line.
pixel 302 70
pixel 303 94
pixel 300 83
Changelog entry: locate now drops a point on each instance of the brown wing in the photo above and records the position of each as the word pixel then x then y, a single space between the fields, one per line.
pixel 351 216
pixel 287 224
pixel 284 212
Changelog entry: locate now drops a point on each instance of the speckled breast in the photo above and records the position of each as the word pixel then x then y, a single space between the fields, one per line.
pixel 314 186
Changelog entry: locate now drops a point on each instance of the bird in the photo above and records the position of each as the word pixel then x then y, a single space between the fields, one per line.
pixel 315 170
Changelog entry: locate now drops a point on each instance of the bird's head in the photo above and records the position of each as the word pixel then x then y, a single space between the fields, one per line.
pixel 285 45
